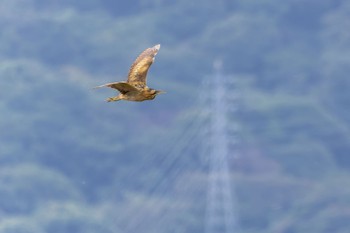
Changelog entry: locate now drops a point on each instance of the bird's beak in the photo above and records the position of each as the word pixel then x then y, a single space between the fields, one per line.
pixel 161 92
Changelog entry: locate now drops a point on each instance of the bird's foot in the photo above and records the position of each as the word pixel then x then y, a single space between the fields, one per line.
pixel 111 99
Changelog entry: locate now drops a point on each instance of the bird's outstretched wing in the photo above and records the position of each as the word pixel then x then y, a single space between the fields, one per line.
pixel 122 87
pixel 138 70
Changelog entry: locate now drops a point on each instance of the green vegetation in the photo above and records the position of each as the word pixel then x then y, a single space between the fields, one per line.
pixel 69 162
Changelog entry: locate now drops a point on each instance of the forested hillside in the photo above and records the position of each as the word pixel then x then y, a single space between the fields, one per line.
pixel 70 162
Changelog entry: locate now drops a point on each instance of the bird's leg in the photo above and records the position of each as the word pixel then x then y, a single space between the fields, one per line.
pixel 115 98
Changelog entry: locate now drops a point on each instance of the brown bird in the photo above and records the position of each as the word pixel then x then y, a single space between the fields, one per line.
pixel 135 88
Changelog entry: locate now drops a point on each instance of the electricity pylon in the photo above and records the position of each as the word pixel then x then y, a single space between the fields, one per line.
pixel 221 210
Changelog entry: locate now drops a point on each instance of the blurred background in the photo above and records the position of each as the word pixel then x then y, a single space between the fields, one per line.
pixel 253 134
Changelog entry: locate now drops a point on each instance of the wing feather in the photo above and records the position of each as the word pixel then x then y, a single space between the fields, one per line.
pixel 138 70
pixel 122 87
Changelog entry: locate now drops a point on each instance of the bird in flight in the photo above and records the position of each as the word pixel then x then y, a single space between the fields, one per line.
pixel 135 88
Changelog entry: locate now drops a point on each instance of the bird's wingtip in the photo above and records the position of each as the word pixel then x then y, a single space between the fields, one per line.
pixel 157 47
pixel 97 87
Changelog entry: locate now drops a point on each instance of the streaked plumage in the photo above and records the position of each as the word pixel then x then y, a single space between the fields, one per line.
pixel 135 88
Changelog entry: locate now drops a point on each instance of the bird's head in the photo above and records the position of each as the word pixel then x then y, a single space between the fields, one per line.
pixel 160 92
pixel 154 93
